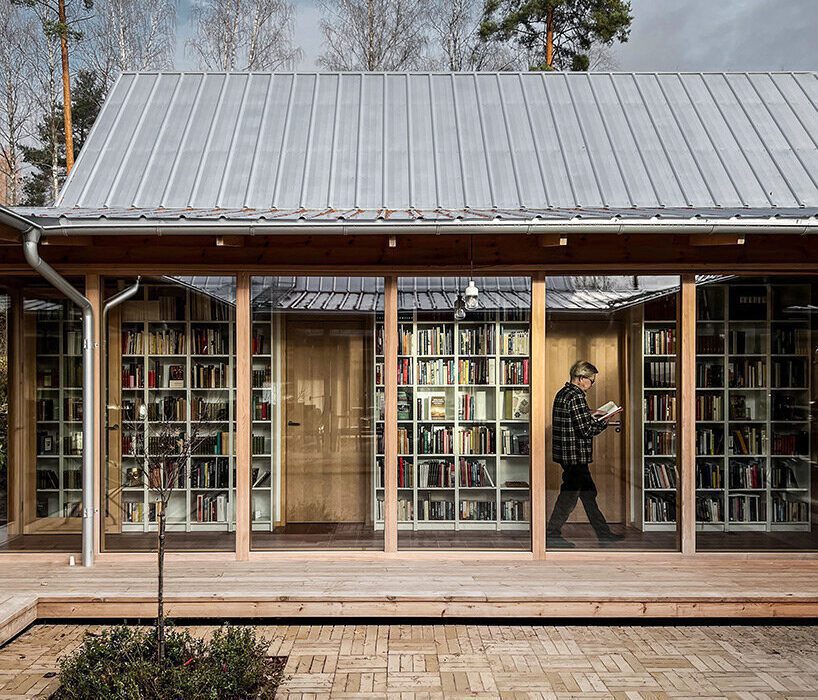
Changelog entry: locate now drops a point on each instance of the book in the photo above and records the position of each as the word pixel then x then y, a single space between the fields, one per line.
pixel 607 410
pixel 437 407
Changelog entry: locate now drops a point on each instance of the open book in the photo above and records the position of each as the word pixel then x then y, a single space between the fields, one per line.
pixel 607 410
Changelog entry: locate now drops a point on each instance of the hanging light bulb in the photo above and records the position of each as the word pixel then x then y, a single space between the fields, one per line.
pixel 459 308
pixel 471 294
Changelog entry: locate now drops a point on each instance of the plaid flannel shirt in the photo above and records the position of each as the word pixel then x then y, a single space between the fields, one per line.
pixel 573 427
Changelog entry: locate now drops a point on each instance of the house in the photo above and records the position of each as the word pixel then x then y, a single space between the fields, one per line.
pixel 360 292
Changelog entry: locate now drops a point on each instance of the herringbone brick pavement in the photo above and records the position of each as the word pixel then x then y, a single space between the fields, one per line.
pixel 495 661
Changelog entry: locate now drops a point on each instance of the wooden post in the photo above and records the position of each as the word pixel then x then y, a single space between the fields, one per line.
pixel 390 416
pixel 686 398
pixel 243 424
pixel 18 457
pixel 93 292
pixel 538 416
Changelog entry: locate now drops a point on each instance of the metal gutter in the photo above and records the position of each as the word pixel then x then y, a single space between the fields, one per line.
pixel 576 225
pixel 31 234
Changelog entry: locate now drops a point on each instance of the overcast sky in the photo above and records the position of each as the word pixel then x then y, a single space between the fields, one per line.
pixel 665 35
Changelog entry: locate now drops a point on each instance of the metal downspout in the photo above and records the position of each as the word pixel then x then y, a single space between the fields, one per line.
pixel 31 239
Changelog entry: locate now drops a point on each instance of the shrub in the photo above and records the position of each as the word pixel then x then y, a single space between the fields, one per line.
pixel 120 664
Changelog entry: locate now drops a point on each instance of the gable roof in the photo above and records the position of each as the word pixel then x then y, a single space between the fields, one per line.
pixel 441 146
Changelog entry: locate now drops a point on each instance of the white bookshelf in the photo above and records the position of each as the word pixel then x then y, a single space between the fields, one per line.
pixel 58 411
pixel 175 393
pixel 494 492
pixel 743 341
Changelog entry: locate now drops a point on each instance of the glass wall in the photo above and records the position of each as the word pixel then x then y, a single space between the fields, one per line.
pixel 5 515
pixel 317 424
pixel 756 348
pixel 611 472
pixel 463 413
pixel 169 434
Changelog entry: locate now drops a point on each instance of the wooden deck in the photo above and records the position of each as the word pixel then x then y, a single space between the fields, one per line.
pixel 444 588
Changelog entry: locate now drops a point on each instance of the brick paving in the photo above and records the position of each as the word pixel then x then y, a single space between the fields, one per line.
pixel 494 661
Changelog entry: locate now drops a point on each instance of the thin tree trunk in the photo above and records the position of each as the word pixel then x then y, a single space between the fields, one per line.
pixel 66 89
pixel 549 37
pixel 160 596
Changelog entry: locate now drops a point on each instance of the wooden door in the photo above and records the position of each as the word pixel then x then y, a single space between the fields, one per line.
pixel 600 342
pixel 327 420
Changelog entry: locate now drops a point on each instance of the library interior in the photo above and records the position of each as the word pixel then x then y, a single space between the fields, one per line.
pixel 464 403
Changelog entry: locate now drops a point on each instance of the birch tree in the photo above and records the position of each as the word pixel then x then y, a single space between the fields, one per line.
pixel 236 35
pixel 457 44
pixel 373 35
pixel 128 35
pixel 17 35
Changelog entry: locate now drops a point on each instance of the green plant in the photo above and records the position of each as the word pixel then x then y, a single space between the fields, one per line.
pixel 121 664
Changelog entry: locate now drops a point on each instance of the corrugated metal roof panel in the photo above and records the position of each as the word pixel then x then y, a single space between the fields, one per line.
pixel 465 141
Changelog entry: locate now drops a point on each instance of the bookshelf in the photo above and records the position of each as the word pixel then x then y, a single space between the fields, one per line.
pixel 58 410
pixel 265 474
pixel 753 426
pixel 176 369
pixel 463 422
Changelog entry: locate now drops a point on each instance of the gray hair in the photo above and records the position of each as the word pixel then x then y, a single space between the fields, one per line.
pixel 581 368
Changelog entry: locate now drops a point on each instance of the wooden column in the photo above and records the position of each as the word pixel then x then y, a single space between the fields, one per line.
pixel 18 457
pixel 93 292
pixel 539 414
pixel 243 424
pixel 686 401
pixel 390 432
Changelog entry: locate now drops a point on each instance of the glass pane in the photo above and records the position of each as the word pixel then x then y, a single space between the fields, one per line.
pixel 5 515
pixel 463 414
pixel 170 386
pixel 317 432
pixel 756 350
pixel 611 346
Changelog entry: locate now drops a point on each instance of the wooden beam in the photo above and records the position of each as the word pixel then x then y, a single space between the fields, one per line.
pixel 552 240
pixel 243 424
pixel 390 432
pixel 716 239
pixel 539 414
pixel 93 291
pixel 65 241
pixel 686 401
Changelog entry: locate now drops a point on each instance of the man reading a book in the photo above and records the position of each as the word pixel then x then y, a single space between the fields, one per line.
pixel 574 427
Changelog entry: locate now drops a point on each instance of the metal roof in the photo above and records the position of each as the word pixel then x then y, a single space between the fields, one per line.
pixel 400 146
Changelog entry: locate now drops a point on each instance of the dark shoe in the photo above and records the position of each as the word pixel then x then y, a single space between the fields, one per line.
pixel 610 537
pixel 558 542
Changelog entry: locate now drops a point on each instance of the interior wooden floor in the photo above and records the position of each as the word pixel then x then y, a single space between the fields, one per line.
pixel 346 536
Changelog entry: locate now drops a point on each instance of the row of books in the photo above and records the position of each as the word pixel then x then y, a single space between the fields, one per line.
pixel 209 341
pixel 47 479
pixel 786 511
pixel 48 377
pixel 262 409
pixel 659 475
pixel 709 475
pixel 790 341
pixel 474 473
pixel 478 371
pixel 258 444
pixel 204 308
pixel 211 508
pixel 661 341
pixel 513 442
pixel 791 443
pixel 709 374
pixel 660 374
pixel 404 441
pixel 783 476
pixel 434 340
pixel 660 407
pixel 472 406
pixel 168 408
pixel 215 444
pixel 134 511
pixel 478 439
pixel 515 342
pixel 436 371
pixel 209 376
pixel 477 340
pixel 515 510
pixel 434 439
pixel 747 373
pixel 751 341
pixel 709 343
pixel 709 441
pixel 660 509
pixel 660 442
pixel 262 378
pixel 709 509
pixel 213 474
pixel 709 407
pixel 133 375
pixel 471 509
pixel 748 440
pixel 515 372
pixel 202 409
pixel 163 341
pixel 790 373
pixel 260 343
pixel 746 475
pixel 45 409
pixel 746 508
pixel 741 408
pixel 429 509
pixel 433 473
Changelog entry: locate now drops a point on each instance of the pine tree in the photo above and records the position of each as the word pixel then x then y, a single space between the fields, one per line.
pixel 557 34
pixel 87 99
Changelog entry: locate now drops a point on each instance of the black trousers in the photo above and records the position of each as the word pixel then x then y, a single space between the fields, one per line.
pixel 577 483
